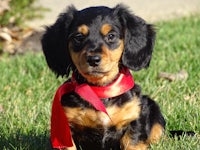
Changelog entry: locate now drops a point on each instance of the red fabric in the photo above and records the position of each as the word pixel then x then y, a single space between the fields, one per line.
pixel 60 130
pixel 86 92
pixel 122 84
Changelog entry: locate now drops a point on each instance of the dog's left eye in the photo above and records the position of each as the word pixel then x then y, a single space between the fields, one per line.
pixel 78 38
pixel 111 37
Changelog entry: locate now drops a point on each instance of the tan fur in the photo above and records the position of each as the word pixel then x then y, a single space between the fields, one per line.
pixel 109 64
pixel 156 133
pixel 83 29
pixel 126 144
pixel 105 29
pixel 119 116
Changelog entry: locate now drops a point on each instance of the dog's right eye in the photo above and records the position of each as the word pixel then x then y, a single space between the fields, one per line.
pixel 111 37
pixel 78 38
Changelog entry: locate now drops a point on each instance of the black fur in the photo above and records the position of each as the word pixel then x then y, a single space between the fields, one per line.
pixel 138 39
pixel 54 43
pixel 108 138
pixel 139 36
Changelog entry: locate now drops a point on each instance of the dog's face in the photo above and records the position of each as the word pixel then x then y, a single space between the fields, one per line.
pixel 97 41
pixel 96 46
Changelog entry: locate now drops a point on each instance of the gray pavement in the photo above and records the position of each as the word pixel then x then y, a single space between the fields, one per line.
pixel 150 10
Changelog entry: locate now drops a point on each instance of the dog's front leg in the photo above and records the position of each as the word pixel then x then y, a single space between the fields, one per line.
pixel 128 144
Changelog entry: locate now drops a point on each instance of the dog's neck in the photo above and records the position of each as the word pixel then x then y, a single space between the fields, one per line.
pixel 122 83
pixel 79 78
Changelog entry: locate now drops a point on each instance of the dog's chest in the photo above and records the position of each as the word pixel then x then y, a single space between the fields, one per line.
pixel 118 116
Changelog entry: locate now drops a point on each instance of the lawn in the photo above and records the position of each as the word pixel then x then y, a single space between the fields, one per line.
pixel 28 86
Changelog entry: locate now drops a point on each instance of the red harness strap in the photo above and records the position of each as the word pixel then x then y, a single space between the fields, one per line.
pixel 60 130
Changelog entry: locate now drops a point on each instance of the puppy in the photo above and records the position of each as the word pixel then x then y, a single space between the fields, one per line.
pixel 99 45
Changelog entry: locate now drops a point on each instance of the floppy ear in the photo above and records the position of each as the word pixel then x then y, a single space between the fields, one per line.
pixel 139 39
pixel 54 43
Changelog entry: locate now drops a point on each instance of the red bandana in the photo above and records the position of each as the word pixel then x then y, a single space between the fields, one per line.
pixel 60 130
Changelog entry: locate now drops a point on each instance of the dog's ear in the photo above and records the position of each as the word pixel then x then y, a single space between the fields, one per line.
pixel 139 39
pixel 54 43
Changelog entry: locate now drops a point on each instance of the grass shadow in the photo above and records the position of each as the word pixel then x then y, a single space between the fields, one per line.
pixel 29 141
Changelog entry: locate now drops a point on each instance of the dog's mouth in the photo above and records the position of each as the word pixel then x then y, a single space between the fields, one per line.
pixel 96 72
pixel 101 74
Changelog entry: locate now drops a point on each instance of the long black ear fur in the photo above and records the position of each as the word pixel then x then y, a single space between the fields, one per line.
pixel 54 43
pixel 139 39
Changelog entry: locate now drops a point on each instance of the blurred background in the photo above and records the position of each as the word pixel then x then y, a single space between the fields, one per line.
pixel 153 10
pixel 22 21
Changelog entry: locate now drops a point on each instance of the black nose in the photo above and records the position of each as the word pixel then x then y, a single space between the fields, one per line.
pixel 94 60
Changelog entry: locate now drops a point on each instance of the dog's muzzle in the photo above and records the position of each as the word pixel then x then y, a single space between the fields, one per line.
pixel 94 60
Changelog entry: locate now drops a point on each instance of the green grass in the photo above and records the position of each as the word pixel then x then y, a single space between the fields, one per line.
pixel 27 88
pixel 20 10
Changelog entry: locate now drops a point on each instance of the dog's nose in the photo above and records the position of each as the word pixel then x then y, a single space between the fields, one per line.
pixel 94 60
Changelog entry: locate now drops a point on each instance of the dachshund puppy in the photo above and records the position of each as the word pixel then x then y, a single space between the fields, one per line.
pixel 99 45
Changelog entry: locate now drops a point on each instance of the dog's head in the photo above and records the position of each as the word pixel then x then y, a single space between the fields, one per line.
pixel 97 41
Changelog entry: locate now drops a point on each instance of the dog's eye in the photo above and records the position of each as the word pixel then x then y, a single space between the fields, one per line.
pixel 78 38
pixel 111 37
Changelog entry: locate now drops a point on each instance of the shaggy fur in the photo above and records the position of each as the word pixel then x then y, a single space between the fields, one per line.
pixel 95 43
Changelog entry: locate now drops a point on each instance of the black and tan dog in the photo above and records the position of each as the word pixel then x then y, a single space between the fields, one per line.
pixel 97 43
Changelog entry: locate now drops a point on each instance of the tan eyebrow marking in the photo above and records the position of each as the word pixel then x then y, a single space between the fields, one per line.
pixel 105 29
pixel 83 29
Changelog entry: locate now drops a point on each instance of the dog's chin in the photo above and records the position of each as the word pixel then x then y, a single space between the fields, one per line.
pixel 97 73
pixel 99 77
pixel 94 72
pixel 94 75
